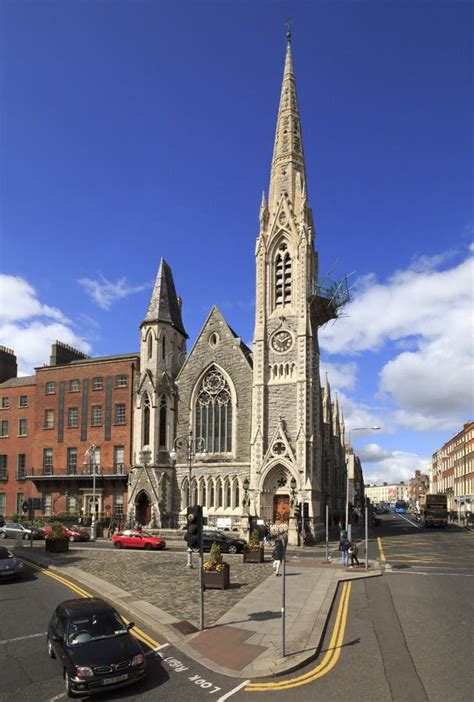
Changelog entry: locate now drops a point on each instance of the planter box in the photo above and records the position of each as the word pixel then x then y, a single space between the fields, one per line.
pixel 57 545
pixel 256 555
pixel 212 580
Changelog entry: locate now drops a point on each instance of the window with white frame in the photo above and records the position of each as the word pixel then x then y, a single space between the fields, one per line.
pixel 3 503
pixel 21 466
pixel 49 419
pixel 71 504
pixel 118 504
pixel 119 459
pixel 74 385
pixel 20 498
pixel 22 427
pixel 121 381
pixel 5 402
pixel 3 466
pixel 47 461
pixel 50 388
pixel 72 461
pixel 47 503
pixel 96 415
pixel 4 427
pixel 23 401
pixel 119 416
pixel 97 383
pixel 72 417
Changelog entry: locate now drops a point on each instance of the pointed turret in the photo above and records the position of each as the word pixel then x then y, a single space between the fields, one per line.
pixel 165 305
pixel 288 157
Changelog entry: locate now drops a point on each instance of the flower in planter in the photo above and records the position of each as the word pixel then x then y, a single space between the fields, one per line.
pixel 56 532
pixel 254 541
pixel 214 562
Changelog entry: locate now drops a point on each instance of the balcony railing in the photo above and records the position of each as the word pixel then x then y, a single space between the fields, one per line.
pixel 77 472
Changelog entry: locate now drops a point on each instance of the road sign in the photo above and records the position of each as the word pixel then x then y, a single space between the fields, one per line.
pixel 25 507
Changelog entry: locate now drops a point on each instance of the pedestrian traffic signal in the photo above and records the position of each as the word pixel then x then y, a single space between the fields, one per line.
pixel 193 534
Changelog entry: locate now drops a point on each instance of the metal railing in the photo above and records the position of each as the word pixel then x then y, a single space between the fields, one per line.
pixel 118 469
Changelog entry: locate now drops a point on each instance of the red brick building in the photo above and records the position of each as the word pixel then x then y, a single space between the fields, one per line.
pixel 72 419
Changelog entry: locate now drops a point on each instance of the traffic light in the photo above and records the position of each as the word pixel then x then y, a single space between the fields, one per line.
pixel 193 534
pixel 298 511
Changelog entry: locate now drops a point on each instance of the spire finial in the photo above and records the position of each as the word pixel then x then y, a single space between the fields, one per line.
pixel 288 32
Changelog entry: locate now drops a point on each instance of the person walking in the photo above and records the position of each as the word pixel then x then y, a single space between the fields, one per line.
pixel 353 552
pixel 344 545
pixel 278 555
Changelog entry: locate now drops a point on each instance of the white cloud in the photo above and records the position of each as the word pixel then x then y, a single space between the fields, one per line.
pixel 422 317
pixel 29 327
pixel 341 375
pixel 372 453
pixel 105 293
pixel 399 465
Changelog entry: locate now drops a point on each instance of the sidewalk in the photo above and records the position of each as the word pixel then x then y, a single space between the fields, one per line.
pixel 246 641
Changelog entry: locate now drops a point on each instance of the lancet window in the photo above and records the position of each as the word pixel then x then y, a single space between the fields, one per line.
pixel 214 413
pixel 146 420
pixel 162 425
pixel 283 276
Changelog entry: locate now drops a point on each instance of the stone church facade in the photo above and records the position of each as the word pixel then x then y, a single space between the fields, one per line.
pixel 253 434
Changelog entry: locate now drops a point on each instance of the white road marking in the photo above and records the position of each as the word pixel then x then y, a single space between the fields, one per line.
pixel 232 692
pixel 157 649
pixel 58 697
pixel 423 572
pixel 22 638
pixel 418 526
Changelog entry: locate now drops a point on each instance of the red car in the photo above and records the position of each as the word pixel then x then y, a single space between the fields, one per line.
pixel 138 539
pixel 73 533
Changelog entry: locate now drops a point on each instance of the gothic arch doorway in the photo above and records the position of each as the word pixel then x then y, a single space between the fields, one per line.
pixel 281 509
pixel 143 508
pixel 275 498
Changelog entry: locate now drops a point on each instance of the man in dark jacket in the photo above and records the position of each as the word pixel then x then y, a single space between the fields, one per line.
pixel 344 545
pixel 278 555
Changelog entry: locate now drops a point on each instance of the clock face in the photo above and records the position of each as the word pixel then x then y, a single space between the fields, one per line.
pixel 282 341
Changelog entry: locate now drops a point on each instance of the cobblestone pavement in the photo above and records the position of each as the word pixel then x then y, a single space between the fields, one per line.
pixel 164 580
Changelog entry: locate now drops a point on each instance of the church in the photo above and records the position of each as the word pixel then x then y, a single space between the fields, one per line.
pixel 249 434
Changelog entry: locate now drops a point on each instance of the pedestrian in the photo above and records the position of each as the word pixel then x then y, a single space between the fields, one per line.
pixel 353 552
pixel 112 528
pixel 278 555
pixel 344 544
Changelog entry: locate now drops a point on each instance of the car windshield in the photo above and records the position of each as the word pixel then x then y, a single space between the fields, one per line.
pixel 101 625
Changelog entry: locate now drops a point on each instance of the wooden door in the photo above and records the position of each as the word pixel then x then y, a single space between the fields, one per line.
pixel 281 509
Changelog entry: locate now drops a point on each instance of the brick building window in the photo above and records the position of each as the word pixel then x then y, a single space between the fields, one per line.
pixel 49 419
pixel 50 388
pixel 118 504
pixel 71 504
pixel 22 427
pixel 23 401
pixel 47 501
pixel 72 417
pixel 48 461
pixel 121 381
pixel 5 402
pixel 119 459
pixel 3 466
pixel 96 415
pixel 20 498
pixel 119 413
pixel 3 504
pixel 97 383
pixel 72 461
pixel 4 427
pixel 74 386
pixel 21 466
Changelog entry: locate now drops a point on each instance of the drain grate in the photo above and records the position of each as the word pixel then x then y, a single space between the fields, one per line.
pixel 185 627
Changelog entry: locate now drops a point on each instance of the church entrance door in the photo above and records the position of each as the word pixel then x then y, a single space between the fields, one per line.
pixel 143 509
pixel 281 509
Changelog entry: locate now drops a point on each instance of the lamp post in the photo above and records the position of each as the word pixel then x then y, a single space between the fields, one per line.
pixel 374 428
pixel 195 449
pixel 90 460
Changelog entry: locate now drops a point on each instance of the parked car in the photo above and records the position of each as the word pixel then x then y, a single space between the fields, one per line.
pixel 2 520
pixel 94 647
pixel 10 565
pixel 132 538
pixel 227 543
pixel 11 529
pixel 73 533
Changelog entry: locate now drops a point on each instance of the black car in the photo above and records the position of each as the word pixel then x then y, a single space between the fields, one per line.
pixel 227 543
pixel 94 647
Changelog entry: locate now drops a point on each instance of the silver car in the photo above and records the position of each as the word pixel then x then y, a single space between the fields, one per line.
pixel 10 566
pixel 11 529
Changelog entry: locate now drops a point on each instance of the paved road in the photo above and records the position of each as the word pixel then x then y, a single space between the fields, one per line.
pixel 408 635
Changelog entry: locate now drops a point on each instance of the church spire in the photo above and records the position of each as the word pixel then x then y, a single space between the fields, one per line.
pixel 165 305
pixel 288 163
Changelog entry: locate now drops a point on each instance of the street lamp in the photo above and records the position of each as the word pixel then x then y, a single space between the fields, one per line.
pixel 195 449
pixel 375 428
pixel 246 500
pixel 89 459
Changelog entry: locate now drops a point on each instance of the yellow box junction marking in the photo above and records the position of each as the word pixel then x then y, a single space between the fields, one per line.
pixel 382 554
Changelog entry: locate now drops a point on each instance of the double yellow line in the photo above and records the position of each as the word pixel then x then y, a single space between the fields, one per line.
pixel 136 631
pixel 330 659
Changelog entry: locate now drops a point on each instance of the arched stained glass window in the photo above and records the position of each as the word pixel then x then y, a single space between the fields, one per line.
pixel 214 413
pixel 162 426
pixel 146 420
pixel 283 277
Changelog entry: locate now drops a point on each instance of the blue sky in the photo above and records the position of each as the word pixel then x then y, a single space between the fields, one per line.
pixel 135 130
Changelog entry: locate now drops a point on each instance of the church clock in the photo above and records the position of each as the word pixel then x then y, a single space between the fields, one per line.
pixel 282 341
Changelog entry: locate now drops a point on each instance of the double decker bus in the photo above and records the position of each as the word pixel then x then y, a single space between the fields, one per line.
pixel 401 506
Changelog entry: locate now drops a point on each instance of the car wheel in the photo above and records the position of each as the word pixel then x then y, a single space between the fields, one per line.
pixel 148 547
pixel 67 685
pixel 233 548
pixel 51 652
pixel 4 534
pixel 117 544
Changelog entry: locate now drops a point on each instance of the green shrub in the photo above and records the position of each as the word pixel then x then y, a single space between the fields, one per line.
pixel 254 540
pixel 215 556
